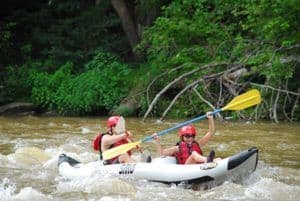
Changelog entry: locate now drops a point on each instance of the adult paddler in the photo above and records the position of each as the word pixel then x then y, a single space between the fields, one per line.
pixel 113 138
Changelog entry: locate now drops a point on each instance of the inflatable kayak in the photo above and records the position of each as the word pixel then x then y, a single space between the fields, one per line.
pixel 164 169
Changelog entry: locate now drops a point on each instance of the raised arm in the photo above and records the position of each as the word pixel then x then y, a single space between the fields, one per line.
pixel 211 130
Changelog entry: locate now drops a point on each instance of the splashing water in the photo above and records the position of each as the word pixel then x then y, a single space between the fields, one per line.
pixel 34 175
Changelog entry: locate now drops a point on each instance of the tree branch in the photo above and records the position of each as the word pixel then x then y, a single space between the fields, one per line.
pixel 209 77
pixel 162 74
pixel 176 80
pixel 205 101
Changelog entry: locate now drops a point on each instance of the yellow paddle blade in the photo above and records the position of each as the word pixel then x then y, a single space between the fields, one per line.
pixel 116 151
pixel 244 100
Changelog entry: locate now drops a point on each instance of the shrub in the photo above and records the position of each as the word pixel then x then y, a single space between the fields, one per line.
pixel 100 87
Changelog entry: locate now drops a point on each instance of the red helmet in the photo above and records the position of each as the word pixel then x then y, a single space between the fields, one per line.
pixel 112 121
pixel 187 130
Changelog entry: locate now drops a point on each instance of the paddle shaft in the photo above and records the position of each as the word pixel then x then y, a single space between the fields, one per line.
pixel 148 138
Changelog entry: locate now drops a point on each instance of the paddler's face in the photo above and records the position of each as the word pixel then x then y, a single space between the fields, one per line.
pixel 114 130
pixel 189 138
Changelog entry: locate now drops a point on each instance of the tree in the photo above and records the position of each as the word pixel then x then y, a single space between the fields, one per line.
pixel 127 22
pixel 259 47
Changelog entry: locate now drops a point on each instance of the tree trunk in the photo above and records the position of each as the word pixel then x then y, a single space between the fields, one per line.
pixel 127 22
pixel 18 108
pixel 98 2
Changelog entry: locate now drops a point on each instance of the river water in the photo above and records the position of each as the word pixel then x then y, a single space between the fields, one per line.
pixel 29 149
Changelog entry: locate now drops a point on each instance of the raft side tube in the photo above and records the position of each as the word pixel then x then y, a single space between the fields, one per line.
pixel 241 157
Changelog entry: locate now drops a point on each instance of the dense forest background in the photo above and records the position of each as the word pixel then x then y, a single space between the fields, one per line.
pixel 175 58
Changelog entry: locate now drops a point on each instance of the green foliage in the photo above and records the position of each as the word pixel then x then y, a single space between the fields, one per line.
pixel 124 110
pixel 46 86
pixel 143 105
pixel 18 85
pixel 101 86
pixel 41 37
pixel 6 43
pixel 76 37
pixel 6 35
pixel 62 53
pixel 259 35
pixel 70 30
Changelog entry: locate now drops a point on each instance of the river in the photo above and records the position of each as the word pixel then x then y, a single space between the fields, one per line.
pixel 31 176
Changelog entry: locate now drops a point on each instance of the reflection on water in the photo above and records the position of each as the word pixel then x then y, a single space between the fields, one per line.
pixel 34 176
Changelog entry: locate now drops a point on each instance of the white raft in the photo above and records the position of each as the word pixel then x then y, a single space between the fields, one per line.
pixel 164 169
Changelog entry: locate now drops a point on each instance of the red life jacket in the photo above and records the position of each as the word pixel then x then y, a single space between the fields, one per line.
pixel 185 150
pixel 97 141
pixel 97 146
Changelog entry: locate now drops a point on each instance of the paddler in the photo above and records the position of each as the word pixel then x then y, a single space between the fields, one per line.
pixel 112 138
pixel 188 149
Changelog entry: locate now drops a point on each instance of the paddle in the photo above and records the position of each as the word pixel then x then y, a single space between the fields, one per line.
pixel 121 128
pixel 240 102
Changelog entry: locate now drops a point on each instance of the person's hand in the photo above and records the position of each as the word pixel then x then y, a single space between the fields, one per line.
pixel 156 138
pixel 128 134
pixel 139 148
pixel 209 115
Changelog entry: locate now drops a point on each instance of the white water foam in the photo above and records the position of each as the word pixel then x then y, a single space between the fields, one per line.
pixel 7 188
pixel 268 189
pixel 96 184
pixel 8 193
pixel 85 130
pixel 266 183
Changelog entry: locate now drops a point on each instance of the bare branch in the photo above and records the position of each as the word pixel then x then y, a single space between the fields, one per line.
pixel 176 80
pixel 284 103
pixel 295 106
pixel 162 74
pixel 275 107
pixel 178 95
pixel 206 101
pixel 209 77
pixel 275 89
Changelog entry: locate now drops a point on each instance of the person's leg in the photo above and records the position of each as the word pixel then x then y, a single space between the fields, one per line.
pixel 217 159
pixel 211 156
pixel 195 157
pixel 125 158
